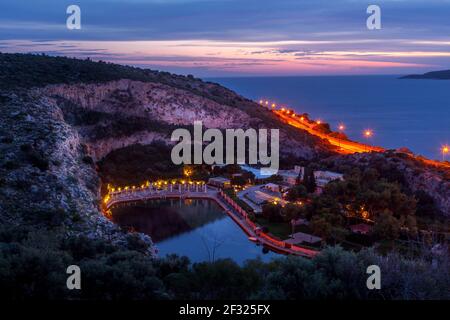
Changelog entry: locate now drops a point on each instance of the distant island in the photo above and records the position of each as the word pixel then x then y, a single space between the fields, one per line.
pixel 437 75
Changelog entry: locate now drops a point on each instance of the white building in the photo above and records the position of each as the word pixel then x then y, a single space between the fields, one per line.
pixel 220 182
pixel 272 187
pixel 324 177
pixel 290 177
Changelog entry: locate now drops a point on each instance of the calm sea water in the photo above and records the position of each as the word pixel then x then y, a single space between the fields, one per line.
pixel 199 229
pixel 402 113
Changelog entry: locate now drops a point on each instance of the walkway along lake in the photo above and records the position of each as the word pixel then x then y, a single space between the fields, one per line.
pixel 196 228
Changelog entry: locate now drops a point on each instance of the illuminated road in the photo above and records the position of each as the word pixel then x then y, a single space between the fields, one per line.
pixel 345 146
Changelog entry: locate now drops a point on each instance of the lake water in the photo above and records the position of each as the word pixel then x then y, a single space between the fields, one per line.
pixel 410 113
pixel 199 229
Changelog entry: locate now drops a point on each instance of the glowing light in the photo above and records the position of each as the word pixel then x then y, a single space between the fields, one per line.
pixel 341 127
pixel 273 105
pixel 318 122
pixel 302 118
pixel 187 172
pixel 445 149
pixel 282 109
pixel 368 133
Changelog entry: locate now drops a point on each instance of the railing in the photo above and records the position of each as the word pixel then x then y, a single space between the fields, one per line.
pixel 278 244
pixel 238 214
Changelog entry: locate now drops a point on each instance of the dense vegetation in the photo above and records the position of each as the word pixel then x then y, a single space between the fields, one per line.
pixel 33 266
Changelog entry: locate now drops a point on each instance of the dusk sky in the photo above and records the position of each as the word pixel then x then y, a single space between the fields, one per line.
pixel 237 37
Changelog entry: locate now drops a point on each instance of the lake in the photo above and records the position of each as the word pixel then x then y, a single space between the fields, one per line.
pixel 410 113
pixel 198 229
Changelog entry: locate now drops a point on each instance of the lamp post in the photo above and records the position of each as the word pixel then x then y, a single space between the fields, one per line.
pixel 368 134
pixel 341 131
pixel 445 150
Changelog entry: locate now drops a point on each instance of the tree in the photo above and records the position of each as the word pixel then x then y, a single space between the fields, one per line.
pixel 296 192
pixel 272 212
pixel 290 211
pixel 238 180
pixel 386 226
pixel 309 181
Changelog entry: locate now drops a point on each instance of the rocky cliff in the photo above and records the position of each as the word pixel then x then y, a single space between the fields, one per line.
pixel 133 112
pixel 54 128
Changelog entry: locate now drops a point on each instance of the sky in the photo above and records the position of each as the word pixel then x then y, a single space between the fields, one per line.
pixel 217 38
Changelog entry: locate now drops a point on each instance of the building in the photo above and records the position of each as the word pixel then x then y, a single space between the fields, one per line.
pixel 361 228
pixel 272 187
pixel 220 182
pixel 304 238
pixel 324 177
pixel 290 177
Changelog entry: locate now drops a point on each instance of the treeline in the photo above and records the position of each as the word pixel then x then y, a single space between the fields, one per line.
pixel 33 266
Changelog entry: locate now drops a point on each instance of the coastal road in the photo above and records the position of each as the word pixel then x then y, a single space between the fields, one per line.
pixel 345 146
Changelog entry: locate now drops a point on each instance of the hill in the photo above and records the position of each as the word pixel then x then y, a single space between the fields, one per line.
pixel 436 75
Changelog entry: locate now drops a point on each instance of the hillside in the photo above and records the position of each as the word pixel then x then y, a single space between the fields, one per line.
pixel 436 75
pixel 67 125
pixel 60 116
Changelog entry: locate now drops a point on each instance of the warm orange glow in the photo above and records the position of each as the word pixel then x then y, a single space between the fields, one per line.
pixel 302 118
pixel 187 172
pixel 341 127
pixel 445 149
pixel 368 133
pixel 273 105
pixel 282 109
pixel 318 122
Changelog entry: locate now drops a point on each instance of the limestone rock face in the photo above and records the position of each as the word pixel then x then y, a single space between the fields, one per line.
pixel 44 176
pixel 165 105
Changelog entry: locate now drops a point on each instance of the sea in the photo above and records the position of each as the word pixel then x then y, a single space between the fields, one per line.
pixel 407 113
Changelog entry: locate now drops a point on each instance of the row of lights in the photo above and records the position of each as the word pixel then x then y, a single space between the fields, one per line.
pixel 157 184
pixel 368 133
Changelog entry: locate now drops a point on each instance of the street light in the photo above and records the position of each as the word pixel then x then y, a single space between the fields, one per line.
pixel 368 134
pixel 341 130
pixel 445 150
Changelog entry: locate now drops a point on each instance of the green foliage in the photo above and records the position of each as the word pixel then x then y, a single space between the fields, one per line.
pixel 272 212
pixel 309 181
pixel 296 193
pixel 33 266
pixel 386 226
pixel 132 164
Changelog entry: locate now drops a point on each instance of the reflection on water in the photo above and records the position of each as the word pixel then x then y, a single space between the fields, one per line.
pixel 198 229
